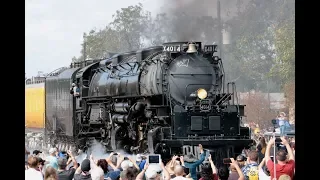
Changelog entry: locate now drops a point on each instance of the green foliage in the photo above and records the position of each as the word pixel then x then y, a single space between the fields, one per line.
pixel 285 46
pixel 257 46
pixel 124 33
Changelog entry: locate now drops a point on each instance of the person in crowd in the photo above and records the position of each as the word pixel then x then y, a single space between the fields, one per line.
pixel 236 173
pixel 261 148
pixel 264 173
pixel 36 153
pixel 186 170
pixel 179 173
pixel 131 174
pixel 41 164
pixel 113 175
pixel 171 164
pixel 285 165
pixel 250 170
pixel 293 147
pixel 83 172
pixel 209 172
pixel 284 177
pixel 32 173
pixel 223 173
pixel 50 174
pixel 282 123
pixel 140 161
pixel 125 165
pixel 97 173
pixel 153 172
pixel 241 161
pixel 63 173
pixel 113 161
pixel 52 159
pixel 113 171
pixel 26 154
pixel 192 162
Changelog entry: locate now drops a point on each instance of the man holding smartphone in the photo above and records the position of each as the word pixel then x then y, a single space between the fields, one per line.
pixel 192 162
pixel 284 166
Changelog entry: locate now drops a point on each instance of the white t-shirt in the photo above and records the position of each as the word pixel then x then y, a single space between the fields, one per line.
pixel 32 174
pixel 179 178
pixel 263 176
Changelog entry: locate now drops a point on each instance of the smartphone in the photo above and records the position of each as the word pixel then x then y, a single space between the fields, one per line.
pixel 154 159
pixel 226 160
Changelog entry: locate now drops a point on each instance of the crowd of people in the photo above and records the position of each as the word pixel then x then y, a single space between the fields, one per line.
pixel 254 164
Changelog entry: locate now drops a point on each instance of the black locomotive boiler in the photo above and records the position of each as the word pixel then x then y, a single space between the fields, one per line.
pixel 154 100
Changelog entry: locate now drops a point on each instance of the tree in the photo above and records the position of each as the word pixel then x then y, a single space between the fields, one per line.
pixel 130 24
pixel 258 109
pixel 254 51
pixel 125 33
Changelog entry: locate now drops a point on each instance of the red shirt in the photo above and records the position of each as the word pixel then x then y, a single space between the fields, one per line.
pixel 287 168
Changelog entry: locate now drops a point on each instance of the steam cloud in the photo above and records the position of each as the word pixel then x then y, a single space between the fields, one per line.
pixel 188 12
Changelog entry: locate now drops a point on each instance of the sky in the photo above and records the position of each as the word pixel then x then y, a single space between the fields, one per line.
pixel 54 28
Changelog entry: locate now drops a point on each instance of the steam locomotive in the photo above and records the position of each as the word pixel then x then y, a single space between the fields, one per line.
pixel 159 100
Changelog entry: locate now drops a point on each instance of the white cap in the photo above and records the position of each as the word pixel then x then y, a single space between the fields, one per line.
pixel 52 150
pixel 138 157
pixel 126 164
pixel 152 171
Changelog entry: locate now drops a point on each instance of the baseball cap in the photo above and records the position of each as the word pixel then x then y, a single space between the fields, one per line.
pixel 52 150
pixel 85 165
pixel 41 160
pixel 240 158
pixel 138 157
pixel 126 164
pixel 36 152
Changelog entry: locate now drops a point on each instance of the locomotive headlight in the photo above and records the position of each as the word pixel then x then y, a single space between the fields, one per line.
pixel 202 93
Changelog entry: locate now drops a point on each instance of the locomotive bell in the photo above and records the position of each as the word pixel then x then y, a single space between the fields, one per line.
pixel 192 48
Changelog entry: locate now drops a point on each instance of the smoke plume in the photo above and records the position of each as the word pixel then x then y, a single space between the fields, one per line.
pixel 184 16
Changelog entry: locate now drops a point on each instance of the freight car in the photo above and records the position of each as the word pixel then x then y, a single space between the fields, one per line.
pixel 154 100
pixel 34 104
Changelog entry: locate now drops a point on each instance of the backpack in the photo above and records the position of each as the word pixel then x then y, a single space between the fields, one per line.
pixel 253 173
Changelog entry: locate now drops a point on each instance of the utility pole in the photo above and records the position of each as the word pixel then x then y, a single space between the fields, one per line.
pixel 219 27
pixel 84 47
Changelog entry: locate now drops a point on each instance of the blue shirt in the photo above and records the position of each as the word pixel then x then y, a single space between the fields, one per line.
pixel 193 166
pixel 246 168
pixel 141 164
pixel 112 175
pixel 53 162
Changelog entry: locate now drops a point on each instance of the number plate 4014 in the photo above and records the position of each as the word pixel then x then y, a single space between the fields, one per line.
pixel 171 48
